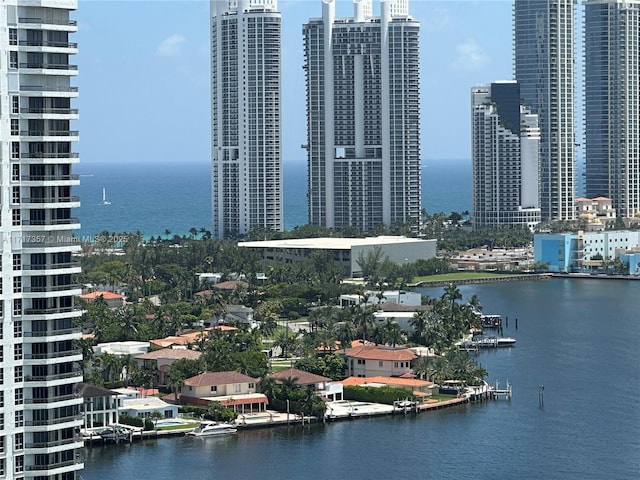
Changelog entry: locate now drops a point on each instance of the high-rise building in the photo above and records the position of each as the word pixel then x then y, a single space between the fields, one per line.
pixel 39 364
pixel 246 146
pixel 612 102
pixel 544 68
pixel 363 116
pixel 505 153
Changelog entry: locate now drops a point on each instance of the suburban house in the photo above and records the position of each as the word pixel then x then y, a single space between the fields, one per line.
pixel 145 407
pixel 160 361
pixel 377 360
pixel 326 388
pixel 114 300
pixel 232 389
pixel 100 407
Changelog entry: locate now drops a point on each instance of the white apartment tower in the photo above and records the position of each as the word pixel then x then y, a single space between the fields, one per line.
pixel 39 414
pixel 612 102
pixel 363 116
pixel 544 68
pixel 505 154
pixel 246 146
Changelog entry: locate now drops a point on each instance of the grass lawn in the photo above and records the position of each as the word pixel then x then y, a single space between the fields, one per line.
pixel 452 277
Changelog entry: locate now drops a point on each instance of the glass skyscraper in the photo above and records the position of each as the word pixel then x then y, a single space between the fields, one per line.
pixel 544 68
pixel 612 103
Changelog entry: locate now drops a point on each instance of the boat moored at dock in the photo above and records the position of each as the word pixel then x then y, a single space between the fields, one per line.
pixel 206 429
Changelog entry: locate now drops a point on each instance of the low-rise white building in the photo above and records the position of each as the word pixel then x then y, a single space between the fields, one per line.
pixel 346 251
pixel 122 349
pixel 147 406
pixel 371 297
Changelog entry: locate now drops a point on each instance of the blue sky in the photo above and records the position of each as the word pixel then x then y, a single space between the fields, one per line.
pixel 144 75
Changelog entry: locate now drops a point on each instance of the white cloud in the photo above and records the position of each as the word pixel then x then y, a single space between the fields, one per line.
pixel 439 20
pixel 469 56
pixel 171 46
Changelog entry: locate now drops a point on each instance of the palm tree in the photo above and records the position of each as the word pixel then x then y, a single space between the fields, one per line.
pixel 424 368
pixel 419 323
pixel 345 334
pixel 391 332
pixel 268 385
pixel 364 319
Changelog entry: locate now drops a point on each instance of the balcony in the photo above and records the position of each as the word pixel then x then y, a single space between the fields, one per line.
pixel 52 333
pixel 49 133
pixel 51 288
pixel 47 21
pixel 59 398
pixel 70 199
pixel 51 266
pixel 49 178
pixel 67 441
pixel 48 88
pixel 44 155
pixel 52 466
pixel 52 355
pixel 52 111
pixel 27 43
pixel 49 66
pixel 39 242
pixel 51 310
pixel 52 378
pixel 52 222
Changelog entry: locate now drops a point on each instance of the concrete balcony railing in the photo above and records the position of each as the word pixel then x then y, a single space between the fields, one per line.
pixel 50 288
pixel 47 21
pixel 53 333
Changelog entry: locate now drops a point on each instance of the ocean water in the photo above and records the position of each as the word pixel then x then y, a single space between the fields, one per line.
pixel 153 198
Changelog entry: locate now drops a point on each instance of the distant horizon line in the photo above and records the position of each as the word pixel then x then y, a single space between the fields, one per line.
pixel 423 162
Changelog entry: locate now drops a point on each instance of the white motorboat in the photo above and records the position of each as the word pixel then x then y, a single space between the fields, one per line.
pixel 206 429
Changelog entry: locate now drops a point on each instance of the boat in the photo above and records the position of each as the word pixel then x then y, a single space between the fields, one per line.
pixel 104 198
pixel 491 321
pixel 115 433
pixel 206 429
pixel 486 342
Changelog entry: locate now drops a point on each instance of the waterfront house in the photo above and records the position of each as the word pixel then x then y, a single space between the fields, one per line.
pixel 377 360
pixel 232 389
pixel 160 361
pixel 100 406
pixel 145 407
pixel 326 388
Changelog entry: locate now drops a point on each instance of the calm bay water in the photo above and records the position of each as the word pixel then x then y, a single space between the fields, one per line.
pixel 578 338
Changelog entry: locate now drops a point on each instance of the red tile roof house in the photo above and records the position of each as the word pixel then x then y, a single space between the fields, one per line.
pixel 114 300
pixel 232 389
pixel 326 388
pixel 160 361
pixel 375 360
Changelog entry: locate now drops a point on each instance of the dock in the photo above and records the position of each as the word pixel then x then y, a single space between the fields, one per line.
pixel 497 392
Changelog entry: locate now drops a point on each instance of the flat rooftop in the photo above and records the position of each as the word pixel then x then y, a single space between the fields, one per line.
pixel 333 243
